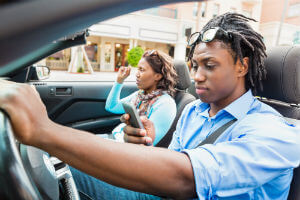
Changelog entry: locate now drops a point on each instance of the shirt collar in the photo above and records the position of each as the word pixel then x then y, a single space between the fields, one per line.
pixel 240 107
pixel 201 106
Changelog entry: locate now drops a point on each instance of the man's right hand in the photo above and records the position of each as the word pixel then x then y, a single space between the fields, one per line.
pixel 139 136
pixel 27 113
pixel 123 73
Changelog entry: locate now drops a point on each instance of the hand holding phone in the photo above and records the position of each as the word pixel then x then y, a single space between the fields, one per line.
pixel 134 120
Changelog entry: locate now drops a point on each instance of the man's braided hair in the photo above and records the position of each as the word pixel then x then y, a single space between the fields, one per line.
pixel 244 42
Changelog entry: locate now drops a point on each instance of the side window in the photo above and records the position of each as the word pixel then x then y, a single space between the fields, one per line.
pixel 96 61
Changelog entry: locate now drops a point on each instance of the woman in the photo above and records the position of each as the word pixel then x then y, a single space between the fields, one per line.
pixel 156 79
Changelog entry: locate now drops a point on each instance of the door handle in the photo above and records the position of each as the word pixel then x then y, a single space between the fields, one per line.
pixel 61 91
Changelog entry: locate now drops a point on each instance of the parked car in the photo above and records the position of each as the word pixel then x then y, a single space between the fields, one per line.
pixel 26 37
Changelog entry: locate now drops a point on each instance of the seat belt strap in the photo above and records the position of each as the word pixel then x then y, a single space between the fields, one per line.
pixel 214 136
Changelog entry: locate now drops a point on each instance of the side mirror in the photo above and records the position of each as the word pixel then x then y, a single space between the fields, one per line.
pixel 38 72
pixel 43 72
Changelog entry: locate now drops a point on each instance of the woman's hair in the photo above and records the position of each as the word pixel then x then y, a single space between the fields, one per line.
pixel 163 64
pixel 243 42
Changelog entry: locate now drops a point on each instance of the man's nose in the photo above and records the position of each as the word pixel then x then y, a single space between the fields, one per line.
pixel 200 75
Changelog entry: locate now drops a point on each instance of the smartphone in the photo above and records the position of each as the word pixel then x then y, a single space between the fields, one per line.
pixel 134 120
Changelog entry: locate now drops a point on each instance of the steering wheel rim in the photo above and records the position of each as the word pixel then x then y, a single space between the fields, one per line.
pixel 17 168
pixel 11 166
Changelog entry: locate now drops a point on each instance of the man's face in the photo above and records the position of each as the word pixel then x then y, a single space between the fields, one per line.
pixel 218 80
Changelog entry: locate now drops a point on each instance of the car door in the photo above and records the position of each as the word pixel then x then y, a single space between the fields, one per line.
pixel 81 104
pixel 75 99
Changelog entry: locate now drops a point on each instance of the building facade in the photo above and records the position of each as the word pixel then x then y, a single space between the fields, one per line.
pixel 161 28
pixel 164 28
pixel 280 22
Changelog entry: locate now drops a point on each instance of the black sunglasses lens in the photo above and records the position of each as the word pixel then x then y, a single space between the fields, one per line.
pixel 206 36
pixel 193 38
pixel 209 35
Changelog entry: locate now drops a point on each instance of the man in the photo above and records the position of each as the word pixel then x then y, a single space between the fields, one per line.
pixel 253 159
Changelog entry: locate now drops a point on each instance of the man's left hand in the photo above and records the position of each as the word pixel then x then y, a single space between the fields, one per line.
pixel 136 135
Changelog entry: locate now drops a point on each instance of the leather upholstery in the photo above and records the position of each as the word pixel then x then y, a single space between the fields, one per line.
pixel 283 74
pixel 184 80
pixel 182 98
pixel 282 92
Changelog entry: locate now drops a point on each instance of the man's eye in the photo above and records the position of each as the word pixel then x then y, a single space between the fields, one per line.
pixel 210 67
pixel 194 67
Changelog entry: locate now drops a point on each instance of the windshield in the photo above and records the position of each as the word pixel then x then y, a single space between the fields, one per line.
pixel 112 43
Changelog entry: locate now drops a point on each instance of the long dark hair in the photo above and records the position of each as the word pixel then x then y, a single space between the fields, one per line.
pixel 163 64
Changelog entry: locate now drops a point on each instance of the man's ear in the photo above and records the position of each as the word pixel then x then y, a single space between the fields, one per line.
pixel 242 69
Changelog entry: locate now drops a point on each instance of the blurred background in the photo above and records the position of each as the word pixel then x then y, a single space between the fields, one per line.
pixel 167 28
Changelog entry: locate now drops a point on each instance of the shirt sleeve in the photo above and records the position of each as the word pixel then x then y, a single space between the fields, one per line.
pixel 263 149
pixel 162 115
pixel 114 103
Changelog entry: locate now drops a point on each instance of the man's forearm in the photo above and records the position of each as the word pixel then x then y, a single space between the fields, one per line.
pixel 145 169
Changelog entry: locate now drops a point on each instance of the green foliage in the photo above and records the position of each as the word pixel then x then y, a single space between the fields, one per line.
pixel 134 56
pixel 80 70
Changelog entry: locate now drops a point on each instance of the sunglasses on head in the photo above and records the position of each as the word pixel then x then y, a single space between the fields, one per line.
pixel 208 35
pixel 154 53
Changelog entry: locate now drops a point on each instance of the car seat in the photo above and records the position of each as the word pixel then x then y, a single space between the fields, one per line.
pixel 281 90
pixel 182 98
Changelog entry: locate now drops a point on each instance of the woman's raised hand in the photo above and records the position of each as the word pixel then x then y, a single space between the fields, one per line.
pixel 123 73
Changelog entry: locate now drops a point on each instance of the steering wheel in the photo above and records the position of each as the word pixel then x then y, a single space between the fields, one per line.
pixel 30 173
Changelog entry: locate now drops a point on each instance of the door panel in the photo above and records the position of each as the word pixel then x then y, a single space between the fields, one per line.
pixel 81 105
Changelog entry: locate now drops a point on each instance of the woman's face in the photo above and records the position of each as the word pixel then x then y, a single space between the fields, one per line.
pixel 146 78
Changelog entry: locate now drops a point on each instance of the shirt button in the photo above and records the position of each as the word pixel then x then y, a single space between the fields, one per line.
pixel 209 120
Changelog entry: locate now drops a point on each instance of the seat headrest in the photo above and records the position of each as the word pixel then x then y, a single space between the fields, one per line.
pixel 183 80
pixel 283 74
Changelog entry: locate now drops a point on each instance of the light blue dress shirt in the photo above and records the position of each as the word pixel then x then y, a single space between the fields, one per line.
pixel 162 113
pixel 253 159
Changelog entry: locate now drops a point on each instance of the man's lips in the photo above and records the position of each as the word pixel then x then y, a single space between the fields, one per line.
pixel 200 89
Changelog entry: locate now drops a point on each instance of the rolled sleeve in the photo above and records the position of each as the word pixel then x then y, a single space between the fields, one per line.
pixel 206 173
pixel 247 162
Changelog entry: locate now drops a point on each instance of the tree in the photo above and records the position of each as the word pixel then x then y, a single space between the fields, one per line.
pixel 134 56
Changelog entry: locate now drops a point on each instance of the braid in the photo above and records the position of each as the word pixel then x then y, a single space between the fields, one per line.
pixel 245 42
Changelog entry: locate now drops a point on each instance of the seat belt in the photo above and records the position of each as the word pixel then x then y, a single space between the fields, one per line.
pixel 214 136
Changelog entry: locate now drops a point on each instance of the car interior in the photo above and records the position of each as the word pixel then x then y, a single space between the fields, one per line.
pixel 81 105
pixel 182 98
pixel 282 92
